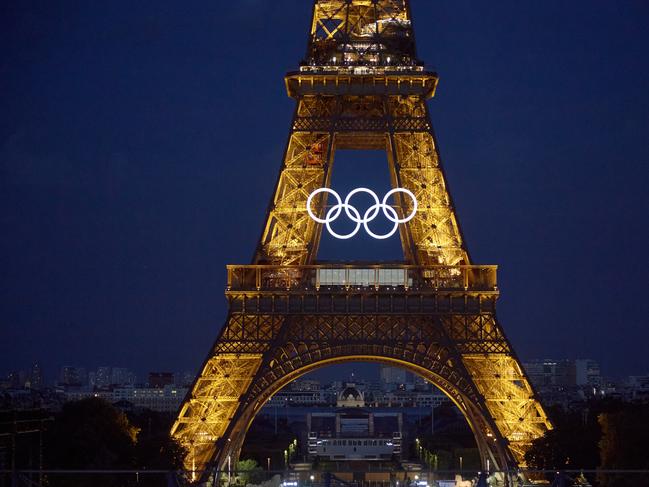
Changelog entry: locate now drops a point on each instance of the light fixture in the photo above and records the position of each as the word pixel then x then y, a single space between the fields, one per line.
pixel 354 215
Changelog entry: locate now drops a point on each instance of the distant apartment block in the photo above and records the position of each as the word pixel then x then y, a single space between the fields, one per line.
pixel 166 399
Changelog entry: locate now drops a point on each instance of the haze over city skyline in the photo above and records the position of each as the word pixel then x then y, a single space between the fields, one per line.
pixel 139 145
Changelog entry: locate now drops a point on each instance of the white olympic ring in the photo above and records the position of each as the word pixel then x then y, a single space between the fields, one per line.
pixel 354 215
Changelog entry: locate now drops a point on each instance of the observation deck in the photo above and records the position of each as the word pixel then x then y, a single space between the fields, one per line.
pixel 359 278
pixel 361 81
pixel 362 288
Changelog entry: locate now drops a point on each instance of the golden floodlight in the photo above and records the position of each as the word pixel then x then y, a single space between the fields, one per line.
pixel 362 87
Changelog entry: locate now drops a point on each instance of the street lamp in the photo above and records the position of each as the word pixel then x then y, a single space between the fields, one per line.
pixel 460 463
pixel 268 463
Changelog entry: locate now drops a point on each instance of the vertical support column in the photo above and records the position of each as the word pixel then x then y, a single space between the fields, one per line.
pixel 209 407
pixel 329 160
pixel 395 177
pixel 509 398
pixel 434 232
pixel 290 236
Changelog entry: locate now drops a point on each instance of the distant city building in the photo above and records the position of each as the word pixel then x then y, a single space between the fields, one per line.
pixel 106 377
pixel 553 372
pixel 401 399
pixel 103 377
pixel 392 377
pixel 160 380
pixel 16 379
pixel 165 399
pixel 36 377
pixel 350 397
pixel 351 394
pixel 287 398
pixel 549 372
pixel 565 381
pixel 330 394
pixel 305 385
pixel 121 376
pixel 587 373
pixel 431 399
pixel 354 433
pixel 73 376
pixel 24 399
pixel 421 384
pixel 638 387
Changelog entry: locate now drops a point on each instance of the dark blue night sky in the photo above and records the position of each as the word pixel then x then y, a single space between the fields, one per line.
pixel 140 141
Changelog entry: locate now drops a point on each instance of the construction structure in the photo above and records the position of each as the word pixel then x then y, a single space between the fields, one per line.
pixel 361 86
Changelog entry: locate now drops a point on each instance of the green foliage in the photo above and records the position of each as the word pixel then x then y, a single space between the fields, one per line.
pixel 155 448
pixel 470 458
pixel 444 460
pixel 249 472
pixel 91 434
pixel 571 444
pixel 605 434
pixel 625 438
pixel 623 445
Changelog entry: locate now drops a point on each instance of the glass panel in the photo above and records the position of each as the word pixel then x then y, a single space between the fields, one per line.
pixel 362 277
pixel 392 277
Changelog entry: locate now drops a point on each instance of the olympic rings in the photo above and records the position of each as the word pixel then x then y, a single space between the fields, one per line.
pixel 354 215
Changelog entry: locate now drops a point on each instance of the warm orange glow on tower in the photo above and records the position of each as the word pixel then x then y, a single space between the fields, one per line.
pixel 361 87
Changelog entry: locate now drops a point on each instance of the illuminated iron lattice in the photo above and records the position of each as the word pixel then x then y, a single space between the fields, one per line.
pixel 361 87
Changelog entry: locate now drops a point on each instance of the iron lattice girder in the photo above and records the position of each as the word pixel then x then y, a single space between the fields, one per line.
pixel 462 352
pixel 388 328
pixel 412 304
pixel 361 32
pixel 291 237
pixel 361 87
pixel 303 342
pixel 207 411
pixel 363 81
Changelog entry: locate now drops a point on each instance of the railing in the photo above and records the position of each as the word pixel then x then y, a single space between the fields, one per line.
pixel 332 277
pixel 367 69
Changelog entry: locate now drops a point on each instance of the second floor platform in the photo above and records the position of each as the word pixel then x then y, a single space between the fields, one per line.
pixel 360 277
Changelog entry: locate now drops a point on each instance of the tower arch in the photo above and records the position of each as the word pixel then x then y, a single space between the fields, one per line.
pixel 485 436
pixel 361 86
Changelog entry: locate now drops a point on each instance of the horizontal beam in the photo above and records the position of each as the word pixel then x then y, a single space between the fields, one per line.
pixel 340 83
pixel 363 278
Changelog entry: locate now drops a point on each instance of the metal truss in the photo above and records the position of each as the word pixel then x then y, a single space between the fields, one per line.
pixel 361 87
pixel 510 399
pixel 397 124
pixel 257 354
pixel 205 416
pixel 361 32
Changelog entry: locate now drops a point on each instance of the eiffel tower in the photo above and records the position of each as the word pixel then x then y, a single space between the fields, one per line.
pixel 361 86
